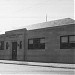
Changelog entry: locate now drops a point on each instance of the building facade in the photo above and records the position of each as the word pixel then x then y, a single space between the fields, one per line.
pixel 53 44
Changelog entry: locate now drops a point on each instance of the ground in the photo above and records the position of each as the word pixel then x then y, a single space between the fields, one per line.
pixel 8 69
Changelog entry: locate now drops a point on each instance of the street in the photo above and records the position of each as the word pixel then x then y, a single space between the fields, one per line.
pixel 6 69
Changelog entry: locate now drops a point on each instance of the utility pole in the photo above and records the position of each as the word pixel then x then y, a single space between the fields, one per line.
pixel 46 17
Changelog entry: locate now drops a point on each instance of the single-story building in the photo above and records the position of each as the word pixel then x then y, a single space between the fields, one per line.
pixel 51 42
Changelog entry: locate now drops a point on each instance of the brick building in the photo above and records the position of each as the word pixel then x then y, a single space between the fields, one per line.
pixel 52 41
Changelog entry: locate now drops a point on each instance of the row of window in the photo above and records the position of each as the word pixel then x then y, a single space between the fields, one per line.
pixel 7 45
pixel 66 42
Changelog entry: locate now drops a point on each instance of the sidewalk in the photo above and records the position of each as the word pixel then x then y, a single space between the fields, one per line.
pixel 53 65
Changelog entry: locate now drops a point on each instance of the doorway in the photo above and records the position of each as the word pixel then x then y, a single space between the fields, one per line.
pixel 14 50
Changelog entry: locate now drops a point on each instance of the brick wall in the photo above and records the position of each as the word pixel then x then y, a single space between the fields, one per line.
pixel 52 51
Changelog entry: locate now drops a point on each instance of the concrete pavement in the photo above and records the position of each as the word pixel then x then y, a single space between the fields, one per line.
pixel 53 65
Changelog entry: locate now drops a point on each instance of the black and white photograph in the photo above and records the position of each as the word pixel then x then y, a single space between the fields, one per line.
pixel 37 37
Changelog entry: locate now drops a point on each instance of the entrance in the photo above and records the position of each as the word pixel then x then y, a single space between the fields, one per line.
pixel 14 50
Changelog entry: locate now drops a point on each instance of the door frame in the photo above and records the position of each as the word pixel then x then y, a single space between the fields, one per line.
pixel 14 50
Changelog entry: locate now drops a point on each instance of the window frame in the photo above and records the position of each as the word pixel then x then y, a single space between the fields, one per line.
pixel 7 45
pixel 2 45
pixel 30 40
pixel 67 45
pixel 72 44
pixel 36 44
pixel 62 38
pixel 20 46
pixel 69 38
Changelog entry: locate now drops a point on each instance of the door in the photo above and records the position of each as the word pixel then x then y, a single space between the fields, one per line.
pixel 14 50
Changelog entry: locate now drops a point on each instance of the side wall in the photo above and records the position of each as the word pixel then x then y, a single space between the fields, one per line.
pixel 52 51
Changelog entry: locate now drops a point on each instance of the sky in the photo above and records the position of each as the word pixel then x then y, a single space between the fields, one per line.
pixel 16 14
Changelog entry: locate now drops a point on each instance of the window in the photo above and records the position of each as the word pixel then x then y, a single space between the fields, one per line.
pixel 36 43
pixel 64 42
pixel 72 39
pixel 30 41
pixel 42 40
pixel 7 45
pixel 20 44
pixel 64 39
pixel 1 45
pixel 67 42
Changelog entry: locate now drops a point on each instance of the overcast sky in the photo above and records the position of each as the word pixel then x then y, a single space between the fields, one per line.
pixel 19 13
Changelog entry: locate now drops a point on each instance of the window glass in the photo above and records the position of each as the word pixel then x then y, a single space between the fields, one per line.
pixel 20 44
pixel 36 43
pixel 64 39
pixel 36 40
pixel 72 39
pixel 30 41
pixel 1 45
pixel 65 44
pixel 7 45
pixel 42 40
